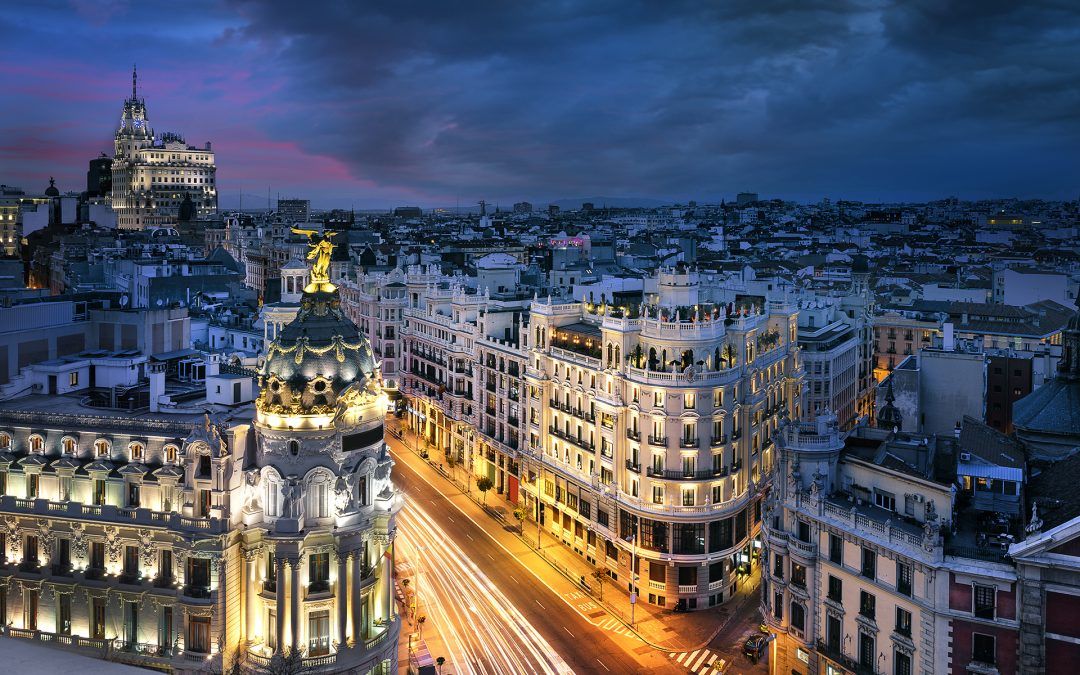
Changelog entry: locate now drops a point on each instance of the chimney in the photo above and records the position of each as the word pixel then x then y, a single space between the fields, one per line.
pixel 157 384
pixel 213 365
pixel 948 341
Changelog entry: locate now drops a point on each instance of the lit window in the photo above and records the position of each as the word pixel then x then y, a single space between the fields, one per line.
pixel 101 448
pixel 37 443
pixel 136 450
pixel 69 445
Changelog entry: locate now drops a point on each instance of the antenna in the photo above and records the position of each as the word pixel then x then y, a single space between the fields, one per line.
pixel 134 81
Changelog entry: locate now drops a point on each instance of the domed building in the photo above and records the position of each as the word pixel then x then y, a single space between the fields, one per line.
pixel 1048 419
pixel 320 528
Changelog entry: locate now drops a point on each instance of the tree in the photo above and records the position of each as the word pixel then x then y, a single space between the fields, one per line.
pixel 483 484
pixel 439 662
pixel 519 513
pixel 601 577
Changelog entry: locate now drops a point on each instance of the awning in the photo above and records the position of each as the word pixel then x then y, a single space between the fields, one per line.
pixel 991 471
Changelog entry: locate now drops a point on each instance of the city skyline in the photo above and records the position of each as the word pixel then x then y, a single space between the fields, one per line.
pixel 428 107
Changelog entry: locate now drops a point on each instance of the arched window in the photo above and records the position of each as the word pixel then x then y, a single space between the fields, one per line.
pixel 102 447
pixel 273 496
pixel 798 616
pixel 294 447
pixel 69 445
pixel 135 450
pixel 318 496
pixel 170 453
pixel 37 443
pixel 5 440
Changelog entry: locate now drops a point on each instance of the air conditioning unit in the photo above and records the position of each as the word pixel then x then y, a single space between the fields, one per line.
pixel 919 499
pixel 965 456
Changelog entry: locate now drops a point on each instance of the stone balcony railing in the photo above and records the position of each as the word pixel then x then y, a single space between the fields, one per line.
pixel 115 514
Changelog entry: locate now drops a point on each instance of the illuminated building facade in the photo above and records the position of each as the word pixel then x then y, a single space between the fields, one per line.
pixel 179 541
pixel 151 176
pixel 650 433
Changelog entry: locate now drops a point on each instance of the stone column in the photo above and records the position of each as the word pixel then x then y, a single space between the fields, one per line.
pixel 297 594
pixel 342 600
pixel 280 628
pixel 357 575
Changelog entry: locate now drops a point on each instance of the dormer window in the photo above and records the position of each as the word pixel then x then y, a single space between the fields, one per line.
pixel 135 450
pixel 69 445
pixel 101 447
pixel 37 443
pixel 5 440
pixel 294 447
pixel 170 454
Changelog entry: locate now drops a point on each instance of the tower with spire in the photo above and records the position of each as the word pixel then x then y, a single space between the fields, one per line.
pixel 153 177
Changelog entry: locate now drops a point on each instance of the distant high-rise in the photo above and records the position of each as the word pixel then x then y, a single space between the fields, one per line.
pixel 151 176
pixel 523 207
pixel 746 198
pixel 294 210
pixel 99 176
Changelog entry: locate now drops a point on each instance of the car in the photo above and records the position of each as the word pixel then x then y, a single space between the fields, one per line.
pixel 755 646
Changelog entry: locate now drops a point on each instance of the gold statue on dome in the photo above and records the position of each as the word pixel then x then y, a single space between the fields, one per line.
pixel 321 248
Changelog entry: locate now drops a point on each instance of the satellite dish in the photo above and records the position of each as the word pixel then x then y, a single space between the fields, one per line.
pixel 124 300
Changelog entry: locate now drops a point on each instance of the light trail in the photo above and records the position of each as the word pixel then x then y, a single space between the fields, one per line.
pixel 483 631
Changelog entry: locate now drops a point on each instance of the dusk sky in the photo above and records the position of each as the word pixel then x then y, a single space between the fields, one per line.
pixel 378 104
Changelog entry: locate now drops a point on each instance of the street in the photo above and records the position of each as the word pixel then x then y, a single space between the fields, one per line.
pixel 513 612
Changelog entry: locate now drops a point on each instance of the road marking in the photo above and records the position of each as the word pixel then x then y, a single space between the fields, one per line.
pixel 489 556
pixel 699 661
pixel 568 632
pixel 539 603
pixel 512 577
pixel 451 519
pixel 469 536
pixel 602 663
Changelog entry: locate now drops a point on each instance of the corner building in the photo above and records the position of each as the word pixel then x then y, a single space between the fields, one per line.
pixel 187 544
pixel 650 433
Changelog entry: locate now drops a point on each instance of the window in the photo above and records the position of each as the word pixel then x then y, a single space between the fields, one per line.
pixel 689 401
pixel 984 601
pixel 688 497
pixel 131 562
pixel 901 663
pixel 33 482
pixel 136 451
pixel 867 604
pixel 983 648
pixel 97 555
pixel 99 492
pixel 798 616
pixel 804 531
pixel 798 575
pixel 68 445
pixel 836 549
pixel 658 494
pixel 319 572
pixel 319 633
pixel 778 567
pixel 30 609
pixel 903 578
pixel 97 619
pixel 165 566
pixel 718 398
pixel 833 632
pixel 198 639
pixel 131 621
pixel 63 613
pixel 101 448
pixel 133 496
pixel 37 443
pixel 170 453
pixel 66 483
pixel 869 564
pixel 836 589
pixel 866 651
pixel 903 621
pixel 165 628
pixel 885 500
pixel 778 606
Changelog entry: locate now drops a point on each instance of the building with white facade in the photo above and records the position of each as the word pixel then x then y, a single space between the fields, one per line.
pixel 153 175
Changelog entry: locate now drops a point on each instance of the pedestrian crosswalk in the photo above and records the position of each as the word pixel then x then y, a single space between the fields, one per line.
pixel 700 661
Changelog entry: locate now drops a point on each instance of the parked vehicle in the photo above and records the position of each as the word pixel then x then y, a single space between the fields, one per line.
pixel 754 646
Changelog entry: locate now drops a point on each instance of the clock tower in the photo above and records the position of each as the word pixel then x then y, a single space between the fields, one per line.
pixel 134 132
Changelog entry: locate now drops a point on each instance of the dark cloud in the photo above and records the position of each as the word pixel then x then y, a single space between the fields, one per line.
pixel 431 101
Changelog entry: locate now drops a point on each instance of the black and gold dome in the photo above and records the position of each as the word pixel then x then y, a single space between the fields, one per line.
pixel 316 357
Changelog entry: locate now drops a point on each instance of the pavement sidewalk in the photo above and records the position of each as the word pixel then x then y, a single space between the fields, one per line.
pixel 660 628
